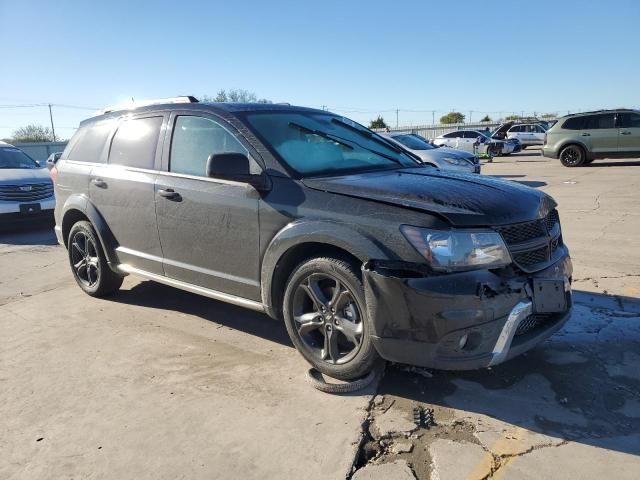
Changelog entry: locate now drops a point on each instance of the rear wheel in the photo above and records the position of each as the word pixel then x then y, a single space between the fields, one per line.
pixel 88 263
pixel 572 156
pixel 325 315
pixel 588 161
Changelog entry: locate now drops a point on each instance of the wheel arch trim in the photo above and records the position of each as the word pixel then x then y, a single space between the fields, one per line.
pixel 295 234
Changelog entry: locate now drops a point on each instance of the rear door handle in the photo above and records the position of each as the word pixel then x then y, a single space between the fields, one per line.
pixel 169 193
pixel 98 182
pixel 586 134
pixel 625 133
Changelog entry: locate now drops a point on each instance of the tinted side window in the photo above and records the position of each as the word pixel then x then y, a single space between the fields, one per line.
pixel 88 142
pixel 194 139
pixel 516 129
pixel 135 142
pixel 596 122
pixel 574 123
pixel 473 135
pixel 451 135
pixel 629 120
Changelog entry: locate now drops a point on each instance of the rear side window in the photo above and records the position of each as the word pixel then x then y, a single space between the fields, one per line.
pixel 516 129
pixel 574 123
pixel 135 143
pixel 629 120
pixel 451 135
pixel 88 142
pixel 598 122
pixel 194 139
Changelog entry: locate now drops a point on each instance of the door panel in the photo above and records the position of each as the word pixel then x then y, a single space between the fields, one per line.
pixel 629 140
pixel 210 234
pixel 125 199
pixel 208 227
pixel 601 132
pixel 123 190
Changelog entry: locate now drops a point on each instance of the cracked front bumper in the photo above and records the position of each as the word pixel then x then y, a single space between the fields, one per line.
pixel 466 320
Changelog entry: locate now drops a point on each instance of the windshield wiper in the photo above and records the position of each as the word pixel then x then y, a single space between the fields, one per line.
pixel 320 133
pixel 367 135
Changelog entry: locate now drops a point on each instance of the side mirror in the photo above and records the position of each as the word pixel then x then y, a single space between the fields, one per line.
pixel 38 162
pixel 234 167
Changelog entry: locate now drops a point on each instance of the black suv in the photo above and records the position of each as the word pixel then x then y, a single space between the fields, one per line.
pixel 365 252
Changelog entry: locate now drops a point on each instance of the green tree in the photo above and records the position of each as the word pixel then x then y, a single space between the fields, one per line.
pixel 378 123
pixel 549 115
pixel 452 117
pixel 236 95
pixel 512 117
pixel 486 118
pixel 31 134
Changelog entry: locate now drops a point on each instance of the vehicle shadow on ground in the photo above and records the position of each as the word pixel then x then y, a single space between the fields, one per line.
pixel 582 385
pixel 39 236
pixel 156 295
pixel 608 163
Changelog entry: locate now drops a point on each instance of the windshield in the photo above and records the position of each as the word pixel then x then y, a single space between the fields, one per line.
pixel 11 157
pixel 315 144
pixel 413 142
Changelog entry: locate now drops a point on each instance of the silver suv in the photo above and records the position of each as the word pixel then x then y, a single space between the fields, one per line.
pixel 26 190
pixel 581 138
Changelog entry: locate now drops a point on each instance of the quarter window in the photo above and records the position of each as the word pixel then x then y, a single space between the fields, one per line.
pixel 135 143
pixel 194 140
pixel 88 143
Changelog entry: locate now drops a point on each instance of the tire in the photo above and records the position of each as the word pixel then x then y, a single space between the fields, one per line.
pixel 524 147
pixel 572 156
pixel 588 161
pixel 330 330
pixel 88 263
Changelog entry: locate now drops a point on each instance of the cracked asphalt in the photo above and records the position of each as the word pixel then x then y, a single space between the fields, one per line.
pixel 156 383
pixel 570 408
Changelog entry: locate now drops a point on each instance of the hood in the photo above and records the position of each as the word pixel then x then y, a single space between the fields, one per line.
pixel 465 200
pixel 16 176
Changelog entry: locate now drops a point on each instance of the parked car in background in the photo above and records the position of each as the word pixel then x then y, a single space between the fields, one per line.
pixel 528 134
pixel 466 139
pixel 364 252
pixel 53 159
pixel 581 138
pixel 444 158
pixel 26 190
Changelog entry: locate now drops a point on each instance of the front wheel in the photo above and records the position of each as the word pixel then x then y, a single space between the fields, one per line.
pixel 572 156
pixel 325 314
pixel 88 263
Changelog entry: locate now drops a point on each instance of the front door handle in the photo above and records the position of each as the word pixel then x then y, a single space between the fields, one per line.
pixel 625 133
pixel 98 182
pixel 586 134
pixel 169 193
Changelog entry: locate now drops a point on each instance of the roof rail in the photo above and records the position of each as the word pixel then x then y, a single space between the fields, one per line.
pixel 143 103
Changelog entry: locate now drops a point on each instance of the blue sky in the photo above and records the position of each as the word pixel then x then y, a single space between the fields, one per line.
pixel 359 58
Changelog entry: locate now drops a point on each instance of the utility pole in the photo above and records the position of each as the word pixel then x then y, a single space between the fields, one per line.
pixel 53 130
pixel 324 107
pixel 470 112
pixel 433 117
pixel 397 123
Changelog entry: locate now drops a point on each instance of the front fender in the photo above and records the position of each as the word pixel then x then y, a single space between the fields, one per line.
pixel 81 203
pixel 326 232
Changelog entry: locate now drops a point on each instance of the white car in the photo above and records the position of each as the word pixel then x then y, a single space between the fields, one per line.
pixel 26 189
pixel 444 158
pixel 528 134
pixel 466 139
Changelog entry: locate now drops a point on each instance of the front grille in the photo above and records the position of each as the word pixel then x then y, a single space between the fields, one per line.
pixel 532 257
pixel 532 244
pixel 28 192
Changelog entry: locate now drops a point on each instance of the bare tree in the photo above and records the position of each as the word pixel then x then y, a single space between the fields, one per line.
pixel 32 134
pixel 237 95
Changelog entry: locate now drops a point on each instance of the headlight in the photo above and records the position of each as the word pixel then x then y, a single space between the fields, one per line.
pixel 452 160
pixel 451 250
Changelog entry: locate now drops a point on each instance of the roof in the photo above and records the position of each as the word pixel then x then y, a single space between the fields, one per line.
pixel 5 144
pixel 601 111
pixel 205 106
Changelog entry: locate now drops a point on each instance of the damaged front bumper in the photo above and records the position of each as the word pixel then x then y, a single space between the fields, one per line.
pixel 466 320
